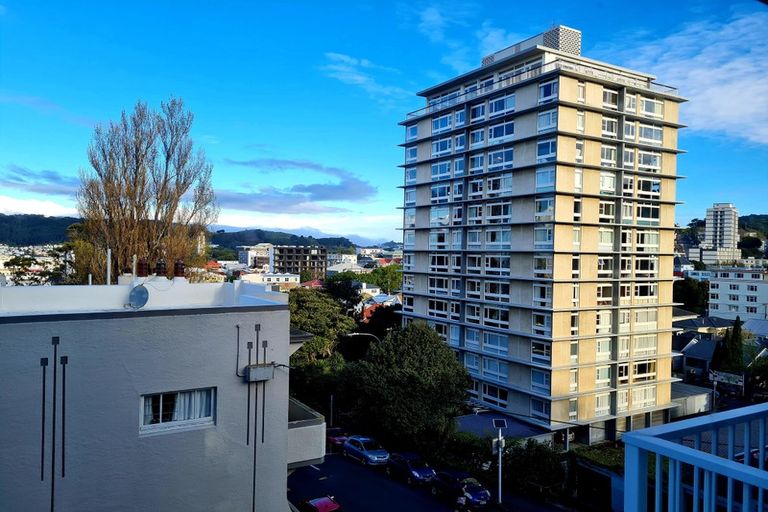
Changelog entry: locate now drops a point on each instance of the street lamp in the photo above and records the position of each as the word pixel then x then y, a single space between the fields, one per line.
pixel 350 334
pixel 499 423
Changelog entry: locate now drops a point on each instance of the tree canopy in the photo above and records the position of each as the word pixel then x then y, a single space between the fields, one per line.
pixel 319 314
pixel 389 278
pixel 148 193
pixel 342 287
pixel 729 353
pixel 408 388
pixel 693 294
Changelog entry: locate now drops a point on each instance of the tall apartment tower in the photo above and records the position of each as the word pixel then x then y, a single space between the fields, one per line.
pixel 538 233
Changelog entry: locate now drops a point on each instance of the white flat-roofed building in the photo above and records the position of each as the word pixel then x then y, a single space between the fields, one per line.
pixel 109 404
pixel 738 292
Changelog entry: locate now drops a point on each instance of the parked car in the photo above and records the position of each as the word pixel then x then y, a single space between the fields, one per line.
pixel 366 450
pixel 459 488
pixel 335 438
pixel 409 467
pixel 324 504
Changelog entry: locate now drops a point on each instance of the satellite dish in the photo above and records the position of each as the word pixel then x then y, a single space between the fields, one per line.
pixel 138 297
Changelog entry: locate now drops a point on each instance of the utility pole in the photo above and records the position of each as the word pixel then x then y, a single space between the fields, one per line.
pixel 499 424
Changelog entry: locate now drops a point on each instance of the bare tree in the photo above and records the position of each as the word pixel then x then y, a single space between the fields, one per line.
pixel 149 191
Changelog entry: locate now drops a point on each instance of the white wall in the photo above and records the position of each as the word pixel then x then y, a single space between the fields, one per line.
pixel 112 363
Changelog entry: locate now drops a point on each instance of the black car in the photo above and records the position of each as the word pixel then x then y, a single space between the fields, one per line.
pixel 457 487
pixel 409 467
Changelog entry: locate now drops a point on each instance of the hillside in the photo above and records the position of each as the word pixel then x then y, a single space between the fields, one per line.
pixel 39 229
pixel 754 222
pixel 33 229
pixel 256 236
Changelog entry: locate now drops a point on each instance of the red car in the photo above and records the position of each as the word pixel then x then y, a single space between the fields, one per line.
pixel 335 438
pixel 325 504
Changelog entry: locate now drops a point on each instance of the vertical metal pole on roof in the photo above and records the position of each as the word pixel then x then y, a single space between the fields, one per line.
pixel 109 266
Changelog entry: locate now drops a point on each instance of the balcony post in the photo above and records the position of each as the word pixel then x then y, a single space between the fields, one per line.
pixel 636 479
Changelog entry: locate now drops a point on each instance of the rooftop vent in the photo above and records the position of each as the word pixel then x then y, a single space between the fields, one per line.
pixel 559 38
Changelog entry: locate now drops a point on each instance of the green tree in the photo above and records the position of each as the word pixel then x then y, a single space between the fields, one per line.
pixel 692 294
pixel 342 287
pixel 698 265
pixel 316 367
pixel 383 320
pixel 305 275
pixel 21 270
pixel 531 462
pixel 751 246
pixel 222 253
pixel 319 314
pixel 408 389
pixel 729 353
pixel 389 278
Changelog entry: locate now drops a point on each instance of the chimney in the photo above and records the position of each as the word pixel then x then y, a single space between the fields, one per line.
pixel 143 268
pixel 178 268
pixel 160 268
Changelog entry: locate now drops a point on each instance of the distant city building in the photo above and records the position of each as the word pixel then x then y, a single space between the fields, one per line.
pixel 721 236
pixel 285 259
pixel 682 265
pixel 698 275
pixel 738 292
pixel 335 258
pixel 257 256
pixel 282 281
pixel 721 230
pixel 109 404
pixel 371 252
pixel 539 193
pixel 295 259
pixel 347 267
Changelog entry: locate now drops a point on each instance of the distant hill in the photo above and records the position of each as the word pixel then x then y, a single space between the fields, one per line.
pixel 257 236
pixel 33 229
pixel 754 222
pixel 39 229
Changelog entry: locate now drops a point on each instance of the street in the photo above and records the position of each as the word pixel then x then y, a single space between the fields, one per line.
pixel 365 489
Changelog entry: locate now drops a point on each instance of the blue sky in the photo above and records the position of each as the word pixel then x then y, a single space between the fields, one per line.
pixel 296 104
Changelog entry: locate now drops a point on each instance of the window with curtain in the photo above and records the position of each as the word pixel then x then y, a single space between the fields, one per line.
pixel 177 409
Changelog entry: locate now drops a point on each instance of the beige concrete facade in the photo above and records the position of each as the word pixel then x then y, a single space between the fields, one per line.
pixel 538 236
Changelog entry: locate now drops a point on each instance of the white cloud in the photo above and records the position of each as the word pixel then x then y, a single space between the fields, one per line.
pixel 361 73
pixel 492 39
pixel 448 24
pixel 720 66
pixel 11 205
pixel 433 23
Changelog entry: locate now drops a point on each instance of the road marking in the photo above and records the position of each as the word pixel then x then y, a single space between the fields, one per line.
pixel 323 478
pixel 314 467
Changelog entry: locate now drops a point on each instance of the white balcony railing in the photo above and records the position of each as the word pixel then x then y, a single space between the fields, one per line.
pixel 709 463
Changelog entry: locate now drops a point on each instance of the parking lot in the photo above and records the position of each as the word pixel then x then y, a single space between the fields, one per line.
pixel 358 488
pixel 365 489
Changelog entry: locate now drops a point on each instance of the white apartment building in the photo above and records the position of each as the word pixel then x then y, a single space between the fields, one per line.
pixel 538 232
pixel 738 292
pixel 722 227
pixel 721 236
pixel 179 404
pixel 336 258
